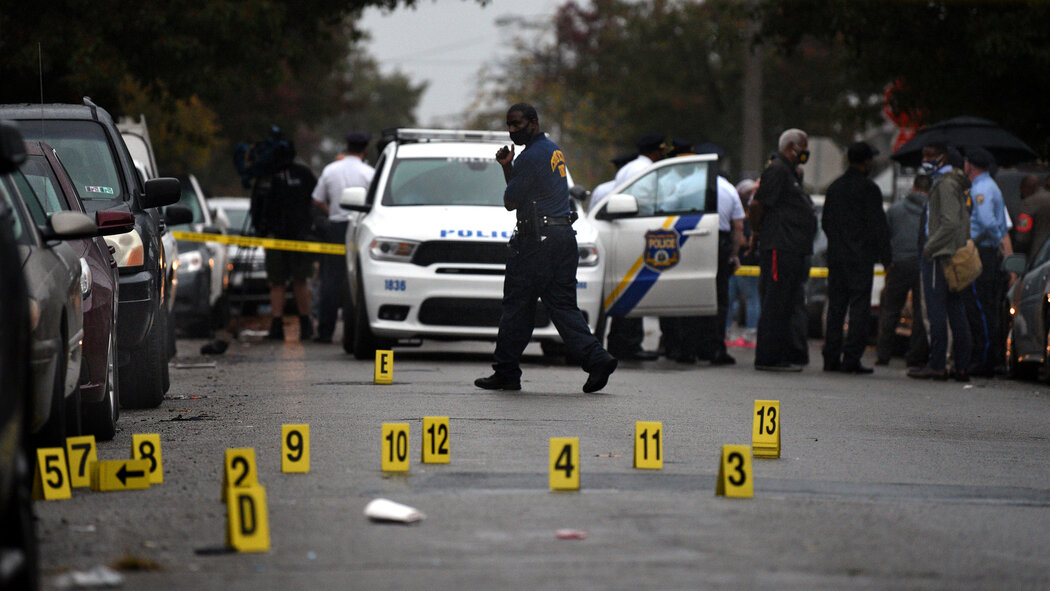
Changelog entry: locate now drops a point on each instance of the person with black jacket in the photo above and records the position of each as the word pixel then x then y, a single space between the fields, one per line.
pixel 855 225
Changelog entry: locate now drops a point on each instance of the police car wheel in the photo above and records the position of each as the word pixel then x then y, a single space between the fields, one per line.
pixel 364 343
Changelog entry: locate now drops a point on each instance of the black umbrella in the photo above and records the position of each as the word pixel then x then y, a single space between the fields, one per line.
pixel 962 132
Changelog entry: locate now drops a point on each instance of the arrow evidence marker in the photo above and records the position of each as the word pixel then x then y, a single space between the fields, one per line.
pixel 295 448
pixel 734 472
pixel 109 475
pixel 146 446
pixel 238 469
pixel 395 447
pixel 765 432
pixel 648 445
pixel 384 367
pixel 81 452
pixel 51 477
pixel 247 522
pixel 435 441
pixel 564 463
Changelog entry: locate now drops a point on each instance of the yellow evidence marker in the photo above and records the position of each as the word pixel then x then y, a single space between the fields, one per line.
pixel 765 433
pixel 51 479
pixel 295 448
pixel 734 472
pixel 564 463
pixel 648 447
pixel 81 452
pixel 146 446
pixel 384 367
pixel 109 475
pixel 247 521
pixel 238 469
pixel 435 441
pixel 395 447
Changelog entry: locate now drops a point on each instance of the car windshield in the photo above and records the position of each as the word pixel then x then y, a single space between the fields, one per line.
pixel 238 217
pixel 83 149
pixel 39 174
pixel 446 181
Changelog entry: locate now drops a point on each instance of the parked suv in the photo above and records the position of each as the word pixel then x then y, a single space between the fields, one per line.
pixel 87 141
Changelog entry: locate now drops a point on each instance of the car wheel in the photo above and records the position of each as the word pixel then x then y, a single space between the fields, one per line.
pixel 142 382
pixel 100 418
pixel 53 433
pixel 167 328
pixel 349 318
pixel 364 343
pixel 74 414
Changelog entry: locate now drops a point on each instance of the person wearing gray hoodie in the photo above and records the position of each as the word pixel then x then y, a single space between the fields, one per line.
pixel 903 276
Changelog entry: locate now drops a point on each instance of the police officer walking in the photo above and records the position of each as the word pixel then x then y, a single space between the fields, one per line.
pixel 543 258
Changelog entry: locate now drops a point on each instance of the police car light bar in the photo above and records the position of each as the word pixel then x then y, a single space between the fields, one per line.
pixel 423 135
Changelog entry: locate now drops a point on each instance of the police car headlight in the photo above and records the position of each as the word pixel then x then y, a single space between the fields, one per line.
pixel 389 249
pixel 588 255
pixel 127 248
pixel 85 278
pixel 191 262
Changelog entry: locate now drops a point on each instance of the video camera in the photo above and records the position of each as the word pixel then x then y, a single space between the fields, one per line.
pixel 263 158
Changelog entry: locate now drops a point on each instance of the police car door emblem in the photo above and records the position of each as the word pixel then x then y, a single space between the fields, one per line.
pixel 661 249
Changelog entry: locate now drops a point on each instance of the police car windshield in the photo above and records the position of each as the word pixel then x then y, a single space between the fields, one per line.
pixel 445 181
pixel 84 151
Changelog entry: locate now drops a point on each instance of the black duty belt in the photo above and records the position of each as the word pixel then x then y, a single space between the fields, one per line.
pixel 550 220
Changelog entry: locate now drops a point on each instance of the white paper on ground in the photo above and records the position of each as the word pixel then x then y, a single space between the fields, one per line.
pixel 386 510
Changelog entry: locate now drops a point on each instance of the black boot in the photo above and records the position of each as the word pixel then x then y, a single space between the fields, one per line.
pixel 276 329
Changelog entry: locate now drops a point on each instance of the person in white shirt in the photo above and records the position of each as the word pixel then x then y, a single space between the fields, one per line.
pixel 603 190
pixel 348 171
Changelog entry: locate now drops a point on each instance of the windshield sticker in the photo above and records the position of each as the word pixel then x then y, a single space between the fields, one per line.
pixel 105 190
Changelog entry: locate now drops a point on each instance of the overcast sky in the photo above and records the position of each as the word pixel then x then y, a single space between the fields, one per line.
pixel 445 42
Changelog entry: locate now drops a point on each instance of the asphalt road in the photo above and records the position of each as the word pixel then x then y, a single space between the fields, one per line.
pixel 883 483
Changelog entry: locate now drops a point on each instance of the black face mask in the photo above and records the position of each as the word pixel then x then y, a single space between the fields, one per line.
pixel 520 137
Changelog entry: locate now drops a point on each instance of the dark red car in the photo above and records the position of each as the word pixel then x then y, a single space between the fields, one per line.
pixel 99 389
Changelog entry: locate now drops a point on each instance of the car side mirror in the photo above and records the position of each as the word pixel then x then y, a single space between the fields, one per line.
pixel 1015 263
pixel 12 148
pixel 619 206
pixel 353 198
pixel 176 215
pixel 579 193
pixel 212 230
pixel 68 225
pixel 113 222
pixel 161 192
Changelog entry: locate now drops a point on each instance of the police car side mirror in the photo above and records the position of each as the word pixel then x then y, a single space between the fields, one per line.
pixel 1015 263
pixel 618 206
pixel 353 198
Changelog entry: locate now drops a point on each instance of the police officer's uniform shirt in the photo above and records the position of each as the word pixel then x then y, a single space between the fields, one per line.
pixel 539 175
pixel 729 207
pixel 350 171
pixel 632 168
pixel 988 220
pixel 601 192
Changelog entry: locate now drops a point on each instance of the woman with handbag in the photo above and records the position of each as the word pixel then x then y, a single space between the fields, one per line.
pixel 945 235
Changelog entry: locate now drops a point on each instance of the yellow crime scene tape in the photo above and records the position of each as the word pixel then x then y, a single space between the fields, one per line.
pixel 272 243
pixel 329 248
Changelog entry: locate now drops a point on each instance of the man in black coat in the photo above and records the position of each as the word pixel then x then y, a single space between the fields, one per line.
pixel 858 236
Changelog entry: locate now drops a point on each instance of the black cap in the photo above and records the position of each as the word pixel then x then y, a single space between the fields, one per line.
pixel 680 147
pixel 622 159
pixel 650 142
pixel 860 152
pixel 955 157
pixel 358 138
pixel 980 157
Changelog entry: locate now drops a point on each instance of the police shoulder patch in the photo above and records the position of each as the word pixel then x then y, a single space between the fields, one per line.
pixel 980 199
pixel 1024 222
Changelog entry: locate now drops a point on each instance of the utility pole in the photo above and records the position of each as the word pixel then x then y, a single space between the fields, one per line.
pixel 752 159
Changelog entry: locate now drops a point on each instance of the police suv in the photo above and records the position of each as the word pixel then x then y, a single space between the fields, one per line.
pixel 427 250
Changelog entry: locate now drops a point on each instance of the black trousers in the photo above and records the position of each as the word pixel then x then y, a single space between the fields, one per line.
pixel 849 289
pixel 333 281
pixel 781 334
pixel 626 336
pixel 983 309
pixel 711 336
pixel 546 270
pixel 901 279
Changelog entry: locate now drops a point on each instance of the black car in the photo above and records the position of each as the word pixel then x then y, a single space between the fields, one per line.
pixel 18 547
pixel 92 150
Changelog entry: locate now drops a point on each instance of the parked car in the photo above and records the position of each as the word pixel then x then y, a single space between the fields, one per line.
pixel 200 302
pixel 1028 325
pixel 427 251
pixel 248 287
pixel 97 159
pixel 18 545
pixel 99 388
pixel 52 271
